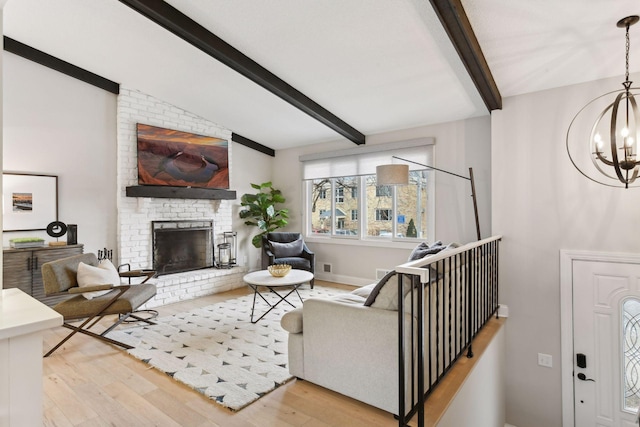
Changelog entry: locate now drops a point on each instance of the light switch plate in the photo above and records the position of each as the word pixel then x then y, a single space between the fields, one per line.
pixel 545 360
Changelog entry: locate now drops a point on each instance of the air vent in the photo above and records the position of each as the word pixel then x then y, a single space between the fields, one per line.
pixel 326 268
pixel 380 273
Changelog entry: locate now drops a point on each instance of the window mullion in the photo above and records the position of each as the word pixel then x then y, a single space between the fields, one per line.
pixel 394 213
pixel 362 206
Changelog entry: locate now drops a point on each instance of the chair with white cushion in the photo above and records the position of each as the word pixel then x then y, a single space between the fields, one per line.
pixel 96 291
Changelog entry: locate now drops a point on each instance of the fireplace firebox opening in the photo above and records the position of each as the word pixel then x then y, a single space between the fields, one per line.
pixel 182 245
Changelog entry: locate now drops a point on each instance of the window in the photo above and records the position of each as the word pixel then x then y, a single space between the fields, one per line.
pixel 383 214
pixel 391 212
pixel 383 191
pixel 344 201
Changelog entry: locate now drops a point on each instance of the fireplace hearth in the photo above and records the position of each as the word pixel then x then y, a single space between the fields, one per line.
pixel 182 245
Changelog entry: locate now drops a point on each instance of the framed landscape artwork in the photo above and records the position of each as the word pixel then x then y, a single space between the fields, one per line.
pixel 29 202
pixel 181 159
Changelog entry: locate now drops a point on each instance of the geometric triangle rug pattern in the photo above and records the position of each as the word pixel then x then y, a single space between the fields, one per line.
pixel 217 351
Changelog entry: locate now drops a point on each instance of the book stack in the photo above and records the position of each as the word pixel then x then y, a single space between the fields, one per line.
pixel 26 242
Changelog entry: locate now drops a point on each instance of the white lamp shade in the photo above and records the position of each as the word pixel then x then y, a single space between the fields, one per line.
pixel 392 174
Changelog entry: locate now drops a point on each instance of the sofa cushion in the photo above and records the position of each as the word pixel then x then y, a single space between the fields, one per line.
pixel 349 299
pixel 295 262
pixel 364 291
pixel 292 321
pixel 385 294
pixel 284 250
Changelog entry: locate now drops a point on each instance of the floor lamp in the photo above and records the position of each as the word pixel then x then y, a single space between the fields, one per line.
pixel 397 174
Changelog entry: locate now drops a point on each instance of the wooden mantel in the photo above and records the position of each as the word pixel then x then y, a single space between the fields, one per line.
pixel 167 192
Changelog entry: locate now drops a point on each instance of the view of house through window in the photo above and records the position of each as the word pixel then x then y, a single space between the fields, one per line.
pixel 389 211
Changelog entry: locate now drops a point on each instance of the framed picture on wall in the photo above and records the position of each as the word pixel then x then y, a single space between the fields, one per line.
pixel 181 159
pixel 29 201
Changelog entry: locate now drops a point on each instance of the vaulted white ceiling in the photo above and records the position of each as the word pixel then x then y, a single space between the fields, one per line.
pixel 379 65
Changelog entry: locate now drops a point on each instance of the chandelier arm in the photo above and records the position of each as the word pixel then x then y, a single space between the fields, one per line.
pixel 636 120
pixel 593 133
pixel 603 159
pixel 614 145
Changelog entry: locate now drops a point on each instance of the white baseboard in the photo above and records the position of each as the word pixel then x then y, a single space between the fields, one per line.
pixel 347 280
pixel 503 311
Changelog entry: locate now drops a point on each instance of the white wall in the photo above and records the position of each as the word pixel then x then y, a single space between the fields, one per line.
pixel 54 124
pixel 250 167
pixel 541 204
pixel 480 400
pixel 459 145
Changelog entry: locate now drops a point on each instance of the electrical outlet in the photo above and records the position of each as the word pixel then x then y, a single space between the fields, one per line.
pixel 545 360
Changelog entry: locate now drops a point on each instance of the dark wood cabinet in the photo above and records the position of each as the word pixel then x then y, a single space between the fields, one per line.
pixel 21 268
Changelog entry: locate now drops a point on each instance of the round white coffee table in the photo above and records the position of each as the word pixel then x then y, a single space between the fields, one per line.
pixel 263 278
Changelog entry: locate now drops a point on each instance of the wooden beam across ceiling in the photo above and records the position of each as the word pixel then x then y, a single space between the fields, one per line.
pixel 457 25
pixel 189 30
pixel 49 61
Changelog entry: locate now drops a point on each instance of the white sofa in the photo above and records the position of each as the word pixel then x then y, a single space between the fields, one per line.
pixel 352 348
pixel 343 345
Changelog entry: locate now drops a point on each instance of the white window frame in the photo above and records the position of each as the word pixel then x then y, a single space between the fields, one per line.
pixel 419 150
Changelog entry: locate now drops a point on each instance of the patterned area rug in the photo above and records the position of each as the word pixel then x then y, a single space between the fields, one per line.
pixel 217 351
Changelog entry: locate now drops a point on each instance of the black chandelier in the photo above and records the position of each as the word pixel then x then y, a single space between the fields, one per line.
pixel 613 140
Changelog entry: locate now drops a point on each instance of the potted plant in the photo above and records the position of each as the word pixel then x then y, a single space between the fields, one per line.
pixel 260 210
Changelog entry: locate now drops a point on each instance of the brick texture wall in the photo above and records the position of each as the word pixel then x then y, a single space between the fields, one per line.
pixel 135 214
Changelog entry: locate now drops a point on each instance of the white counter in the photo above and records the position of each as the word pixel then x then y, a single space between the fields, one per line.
pixel 22 321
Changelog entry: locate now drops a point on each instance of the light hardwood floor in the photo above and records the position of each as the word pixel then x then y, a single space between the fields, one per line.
pixel 91 383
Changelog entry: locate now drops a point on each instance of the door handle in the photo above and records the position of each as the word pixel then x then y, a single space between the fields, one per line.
pixel 583 377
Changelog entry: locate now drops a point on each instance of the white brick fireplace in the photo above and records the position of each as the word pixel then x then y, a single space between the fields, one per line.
pixel 136 213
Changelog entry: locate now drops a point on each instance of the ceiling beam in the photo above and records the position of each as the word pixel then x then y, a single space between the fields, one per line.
pixel 252 144
pixel 189 30
pixel 456 24
pixel 49 61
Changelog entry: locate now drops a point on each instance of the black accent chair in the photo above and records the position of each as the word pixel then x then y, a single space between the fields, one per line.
pixel 287 248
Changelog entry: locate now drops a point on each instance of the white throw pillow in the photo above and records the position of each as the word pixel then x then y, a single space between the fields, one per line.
pixel 104 274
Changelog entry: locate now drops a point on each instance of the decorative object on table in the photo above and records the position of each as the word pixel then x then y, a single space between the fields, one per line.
pixel 72 234
pixel 29 201
pixel 217 351
pixel 231 237
pixel 260 210
pixel 602 139
pixel 398 174
pixel 26 242
pixel 279 270
pixel 224 255
pixel 57 229
pixel 105 254
pixel 182 159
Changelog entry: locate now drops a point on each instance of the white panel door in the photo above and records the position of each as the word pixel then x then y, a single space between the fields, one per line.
pixel 605 297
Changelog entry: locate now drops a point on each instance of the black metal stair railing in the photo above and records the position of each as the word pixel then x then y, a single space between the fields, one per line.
pixel 451 296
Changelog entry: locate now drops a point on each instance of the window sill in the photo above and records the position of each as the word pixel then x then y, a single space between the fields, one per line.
pixel 370 242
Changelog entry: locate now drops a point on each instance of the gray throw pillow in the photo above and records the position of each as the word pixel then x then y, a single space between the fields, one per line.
pixel 385 294
pixel 286 250
pixel 423 249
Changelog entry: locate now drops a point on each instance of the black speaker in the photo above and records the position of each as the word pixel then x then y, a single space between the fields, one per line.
pixel 72 234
